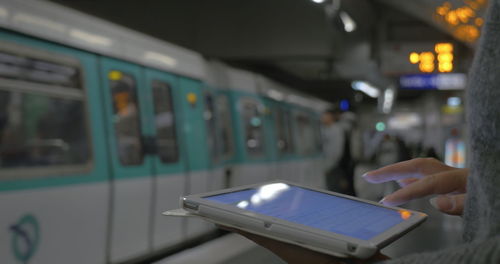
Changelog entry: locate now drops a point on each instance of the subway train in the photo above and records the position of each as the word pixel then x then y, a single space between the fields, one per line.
pixel 103 128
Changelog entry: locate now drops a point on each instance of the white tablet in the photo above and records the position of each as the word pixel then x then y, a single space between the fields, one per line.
pixel 319 220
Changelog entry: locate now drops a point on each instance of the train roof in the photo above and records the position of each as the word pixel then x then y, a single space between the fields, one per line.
pixel 223 76
pixel 280 92
pixel 73 28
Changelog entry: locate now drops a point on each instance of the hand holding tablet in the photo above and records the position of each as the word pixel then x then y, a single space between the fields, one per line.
pixel 293 254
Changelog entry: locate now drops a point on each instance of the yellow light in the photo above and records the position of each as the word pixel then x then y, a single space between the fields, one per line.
pixel 414 58
pixel 426 57
pixel 462 15
pixel 468 11
pixel 445 57
pixel 443 48
pixel 115 75
pixel 452 18
pixel 191 98
pixel 472 33
pixel 479 21
pixel 426 67
pixel 442 11
pixel 445 67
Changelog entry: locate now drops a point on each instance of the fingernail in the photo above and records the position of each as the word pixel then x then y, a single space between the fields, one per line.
pixel 433 202
pixel 443 203
pixel 364 174
pixel 381 201
pixel 453 203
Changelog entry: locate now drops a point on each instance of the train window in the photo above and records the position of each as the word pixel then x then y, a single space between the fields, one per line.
pixel 290 134
pixel 284 131
pixel 305 134
pixel 281 142
pixel 210 122
pixel 251 112
pixel 318 136
pixel 168 149
pixel 43 128
pixel 126 118
pixel 21 67
pixel 39 130
pixel 225 128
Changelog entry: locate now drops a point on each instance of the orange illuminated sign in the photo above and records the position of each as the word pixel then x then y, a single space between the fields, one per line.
pixel 427 60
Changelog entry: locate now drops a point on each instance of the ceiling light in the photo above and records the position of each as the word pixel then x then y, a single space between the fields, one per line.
pixel 349 24
pixel 388 100
pixel 454 101
pixel 366 88
pixel 318 1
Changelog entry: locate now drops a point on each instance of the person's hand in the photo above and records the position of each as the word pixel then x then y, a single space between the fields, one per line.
pixel 421 177
pixel 295 254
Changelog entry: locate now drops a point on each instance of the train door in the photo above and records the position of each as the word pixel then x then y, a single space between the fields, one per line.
pixel 211 117
pixel 168 172
pixel 194 137
pixel 225 147
pixel 288 163
pixel 251 136
pixel 132 180
pixel 272 141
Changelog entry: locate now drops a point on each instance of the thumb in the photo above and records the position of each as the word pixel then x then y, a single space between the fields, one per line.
pixel 449 204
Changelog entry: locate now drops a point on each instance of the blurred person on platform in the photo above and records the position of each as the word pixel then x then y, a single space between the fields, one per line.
pixel 338 161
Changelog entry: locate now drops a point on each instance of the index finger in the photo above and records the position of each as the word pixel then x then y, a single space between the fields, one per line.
pixel 415 168
pixel 441 183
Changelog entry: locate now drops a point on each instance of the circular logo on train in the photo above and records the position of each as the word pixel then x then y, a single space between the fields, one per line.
pixel 25 236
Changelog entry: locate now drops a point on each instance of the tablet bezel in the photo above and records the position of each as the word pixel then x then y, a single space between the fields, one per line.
pixel 378 241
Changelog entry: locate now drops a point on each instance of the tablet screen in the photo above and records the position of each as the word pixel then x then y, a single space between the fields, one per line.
pixel 315 209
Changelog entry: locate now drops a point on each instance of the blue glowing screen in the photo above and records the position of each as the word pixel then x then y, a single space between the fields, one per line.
pixel 315 209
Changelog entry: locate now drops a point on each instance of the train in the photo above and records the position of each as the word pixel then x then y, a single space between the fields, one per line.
pixel 103 128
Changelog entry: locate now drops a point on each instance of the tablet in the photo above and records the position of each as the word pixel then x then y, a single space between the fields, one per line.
pixel 327 222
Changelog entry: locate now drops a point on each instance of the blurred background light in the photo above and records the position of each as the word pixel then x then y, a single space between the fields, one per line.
pixel 344 105
pixel 380 126
pixel 349 23
pixel 366 88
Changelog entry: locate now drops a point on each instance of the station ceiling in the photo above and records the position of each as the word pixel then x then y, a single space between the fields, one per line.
pixel 295 42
